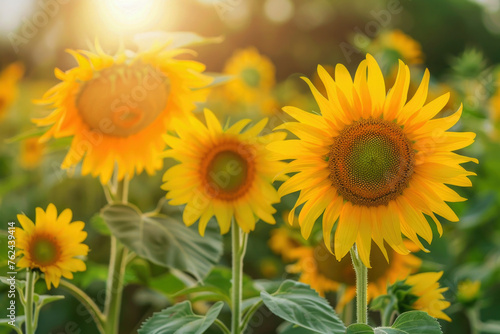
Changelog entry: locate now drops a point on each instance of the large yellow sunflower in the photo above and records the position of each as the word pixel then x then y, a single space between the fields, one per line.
pixel 319 268
pixel 254 76
pixel 117 107
pixel 222 172
pixel 373 161
pixel 52 245
pixel 9 78
pixel 429 295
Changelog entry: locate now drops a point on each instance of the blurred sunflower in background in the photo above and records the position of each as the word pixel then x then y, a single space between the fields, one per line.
pixel 31 153
pixel 392 45
pixel 224 173
pixel 422 292
pixel 319 268
pixel 9 78
pixel 53 244
pixel 250 89
pixel 123 127
pixel 373 163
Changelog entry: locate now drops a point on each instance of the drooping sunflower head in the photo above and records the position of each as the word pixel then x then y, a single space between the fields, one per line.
pixel 117 107
pixel 422 292
pixel 254 76
pixel 53 244
pixel 319 268
pixel 373 162
pixel 9 79
pixel 224 173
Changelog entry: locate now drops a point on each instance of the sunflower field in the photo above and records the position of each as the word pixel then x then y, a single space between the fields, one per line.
pixel 249 166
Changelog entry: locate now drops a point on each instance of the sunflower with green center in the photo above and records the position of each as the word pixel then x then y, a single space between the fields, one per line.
pixel 254 78
pixel 423 293
pixel 53 244
pixel 116 108
pixel 373 163
pixel 224 173
pixel 9 79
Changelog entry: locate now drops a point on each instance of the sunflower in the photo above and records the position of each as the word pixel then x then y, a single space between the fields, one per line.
pixel 374 162
pixel 31 153
pixel 117 108
pixel 51 245
pixel 254 77
pixel 225 173
pixel 9 78
pixel 425 295
pixel 397 43
pixel 283 242
pixel 468 291
pixel 319 268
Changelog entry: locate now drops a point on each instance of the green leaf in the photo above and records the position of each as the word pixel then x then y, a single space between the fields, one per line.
pixel 32 133
pixel 163 240
pixel 180 319
pixel 299 304
pixel 20 284
pixel 288 328
pixel 359 329
pixel 172 40
pixel 415 322
pixel 388 330
pixel 19 321
pixel 98 223
pixel 42 300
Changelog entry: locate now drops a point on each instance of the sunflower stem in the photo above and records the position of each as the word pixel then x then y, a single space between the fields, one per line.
pixel 116 271
pixel 361 287
pixel 238 243
pixel 91 306
pixel 114 287
pixel 30 291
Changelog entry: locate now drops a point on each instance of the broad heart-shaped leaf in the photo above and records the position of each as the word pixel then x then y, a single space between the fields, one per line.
pixel 415 322
pixel 164 240
pixel 299 304
pixel 180 319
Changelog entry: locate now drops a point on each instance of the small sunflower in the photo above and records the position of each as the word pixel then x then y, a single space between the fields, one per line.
pixel 52 245
pixel 468 291
pixel 426 295
pixel 9 79
pixel 319 268
pixel 373 161
pixel 222 172
pixel 31 153
pixel 401 45
pixel 117 107
pixel 283 243
pixel 254 77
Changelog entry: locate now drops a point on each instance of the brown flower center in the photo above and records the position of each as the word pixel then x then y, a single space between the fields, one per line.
pixel 371 162
pixel 44 250
pixel 343 271
pixel 124 99
pixel 228 170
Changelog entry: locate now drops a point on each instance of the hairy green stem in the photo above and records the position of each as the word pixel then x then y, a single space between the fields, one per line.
pixel 30 291
pixel 91 306
pixel 222 327
pixel 238 243
pixel 361 287
pixel 117 265
pixel 114 287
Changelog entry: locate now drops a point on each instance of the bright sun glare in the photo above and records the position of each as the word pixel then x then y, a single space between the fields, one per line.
pixel 130 15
